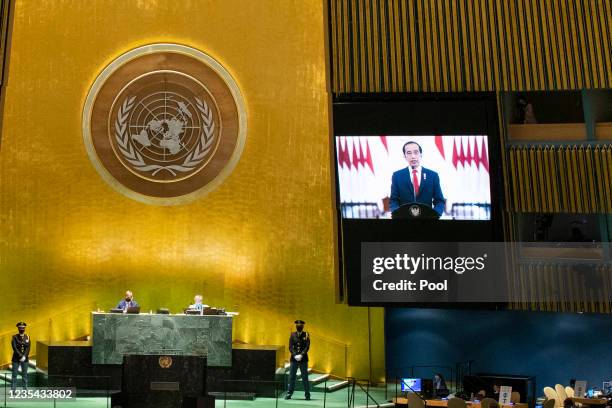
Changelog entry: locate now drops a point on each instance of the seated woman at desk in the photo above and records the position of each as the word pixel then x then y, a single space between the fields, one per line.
pixel 439 385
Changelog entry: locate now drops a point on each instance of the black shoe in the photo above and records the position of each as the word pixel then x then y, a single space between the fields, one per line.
pixel 308 398
pixel 288 396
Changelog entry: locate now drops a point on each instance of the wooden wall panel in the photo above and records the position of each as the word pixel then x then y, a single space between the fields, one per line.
pixel 560 178
pixel 561 287
pixel 470 45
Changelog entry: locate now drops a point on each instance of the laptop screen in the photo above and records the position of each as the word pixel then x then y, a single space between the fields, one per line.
pixel 411 385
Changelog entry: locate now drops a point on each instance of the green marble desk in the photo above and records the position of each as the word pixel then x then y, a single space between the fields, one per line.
pixel 116 334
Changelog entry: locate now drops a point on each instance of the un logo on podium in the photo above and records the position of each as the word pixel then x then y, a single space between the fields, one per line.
pixel 164 124
pixel 165 361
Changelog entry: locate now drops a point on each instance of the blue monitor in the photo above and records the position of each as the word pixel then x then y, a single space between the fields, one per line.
pixel 411 385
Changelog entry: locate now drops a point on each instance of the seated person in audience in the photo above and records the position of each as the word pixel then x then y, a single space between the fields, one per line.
pixel 496 391
pixel 481 395
pixel 127 302
pixel 439 385
pixel 197 303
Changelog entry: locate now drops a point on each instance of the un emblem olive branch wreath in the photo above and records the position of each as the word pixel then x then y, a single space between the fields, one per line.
pixel 134 157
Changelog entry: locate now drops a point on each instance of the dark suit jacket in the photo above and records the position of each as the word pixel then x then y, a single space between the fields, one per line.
pixel 430 192
pixel 21 347
pixel 299 343
pixel 123 303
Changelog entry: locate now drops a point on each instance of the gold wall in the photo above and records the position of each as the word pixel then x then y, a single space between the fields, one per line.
pixel 262 244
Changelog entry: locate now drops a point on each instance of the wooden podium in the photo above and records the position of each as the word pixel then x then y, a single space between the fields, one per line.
pixel 162 381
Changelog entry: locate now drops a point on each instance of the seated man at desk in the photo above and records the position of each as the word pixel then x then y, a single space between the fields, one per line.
pixel 127 302
pixel 197 303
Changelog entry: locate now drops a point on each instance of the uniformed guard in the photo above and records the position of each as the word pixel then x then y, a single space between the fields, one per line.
pixel 299 343
pixel 21 350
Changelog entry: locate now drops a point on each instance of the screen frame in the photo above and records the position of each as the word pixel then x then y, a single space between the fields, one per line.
pixel 415 114
pixel 419 389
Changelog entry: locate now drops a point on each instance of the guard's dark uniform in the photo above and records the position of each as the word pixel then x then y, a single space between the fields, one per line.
pixel 299 343
pixel 21 348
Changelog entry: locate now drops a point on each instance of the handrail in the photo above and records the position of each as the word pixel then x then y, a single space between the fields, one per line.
pixel 52 376
pixel 461 368
pixel 351 393
pixel 275 382
pixel 452 379
pixel 413 366
pixel 44 320
pixel 329 339
pixel 346 348
pixel 276 389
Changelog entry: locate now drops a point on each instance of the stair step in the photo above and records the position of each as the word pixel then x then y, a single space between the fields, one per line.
pixel 335 386
pixel 6 376
pixel 313 380
pixel 316 381
pixel 299 373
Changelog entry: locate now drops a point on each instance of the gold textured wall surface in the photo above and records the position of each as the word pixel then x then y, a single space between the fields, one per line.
pixel 262 244
pixel 470 45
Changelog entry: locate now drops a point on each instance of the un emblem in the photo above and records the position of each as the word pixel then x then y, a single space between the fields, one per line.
pixel 165 361
pixel 164 124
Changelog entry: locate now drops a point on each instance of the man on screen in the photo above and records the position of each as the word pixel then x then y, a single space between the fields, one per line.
pixel 416 183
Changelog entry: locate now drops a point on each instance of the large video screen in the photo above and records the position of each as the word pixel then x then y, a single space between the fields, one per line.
pixel 448 173
pixel 419 177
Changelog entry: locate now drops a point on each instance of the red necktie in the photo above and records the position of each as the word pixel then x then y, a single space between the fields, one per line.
pixel 415 183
